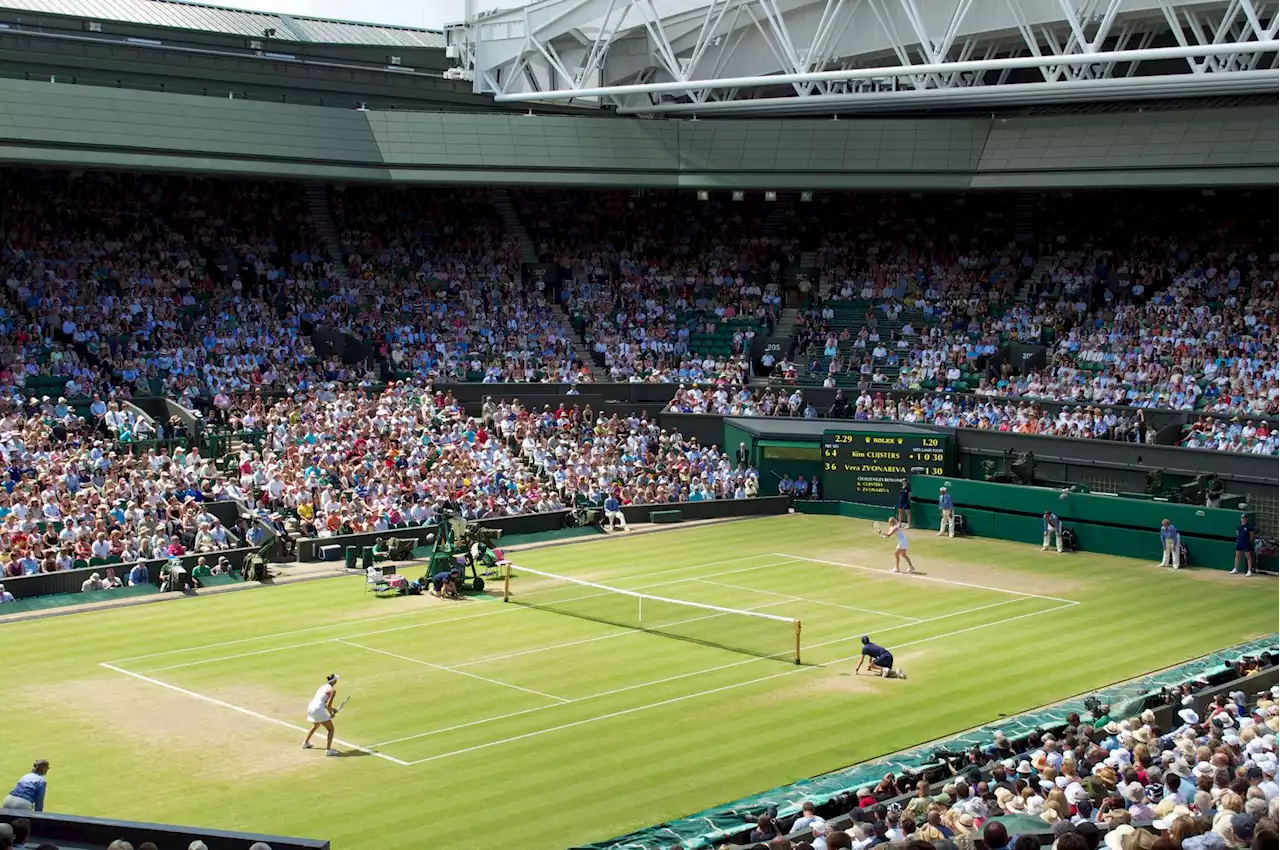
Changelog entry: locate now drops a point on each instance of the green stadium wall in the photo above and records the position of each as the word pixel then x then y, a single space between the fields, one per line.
pixel 1106 523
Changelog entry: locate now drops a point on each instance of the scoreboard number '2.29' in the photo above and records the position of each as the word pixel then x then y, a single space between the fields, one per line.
pixel 870 467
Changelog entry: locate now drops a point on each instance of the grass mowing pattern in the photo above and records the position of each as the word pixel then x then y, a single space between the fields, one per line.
pixel 528 728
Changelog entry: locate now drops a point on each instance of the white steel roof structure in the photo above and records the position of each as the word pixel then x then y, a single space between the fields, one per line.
pixel 204 17
pixel 818 57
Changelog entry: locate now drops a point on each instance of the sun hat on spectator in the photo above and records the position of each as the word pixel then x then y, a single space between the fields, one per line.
pixel 1075 793
pixel 1203 769
pixel 1148 716
pixel 1116 836
pixel 1112 728
pixel 1188 716
pixel 1024 768
pixel 1167 821
pixel 1003 796
pixel 197 845
pixel 1142 735
pixel 1016 804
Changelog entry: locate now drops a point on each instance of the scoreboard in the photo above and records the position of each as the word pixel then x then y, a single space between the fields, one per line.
pixel 869 467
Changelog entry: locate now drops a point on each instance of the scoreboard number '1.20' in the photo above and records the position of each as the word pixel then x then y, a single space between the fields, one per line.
pixel 870 467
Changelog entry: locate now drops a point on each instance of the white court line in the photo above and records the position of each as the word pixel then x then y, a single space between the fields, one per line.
pixel 416 613
pixel 625 631
pixel 711 691
pixel 451 670
pixel 435 621
pixel 242 710
pixel 803 649
pixel 810 601
pixel 928 578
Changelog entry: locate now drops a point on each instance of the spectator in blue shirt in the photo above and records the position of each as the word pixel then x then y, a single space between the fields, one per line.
pixel 613 513
pixel 1170 545
pixel 785 486
pixel 801 488
pixel 5 596
pixel 28 794
pixel 947 507
pixel 139 575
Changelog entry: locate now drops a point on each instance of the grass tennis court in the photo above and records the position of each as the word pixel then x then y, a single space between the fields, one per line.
pixel 477 722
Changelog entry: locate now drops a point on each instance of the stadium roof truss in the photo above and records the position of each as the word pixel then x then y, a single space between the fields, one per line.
pixel 818 57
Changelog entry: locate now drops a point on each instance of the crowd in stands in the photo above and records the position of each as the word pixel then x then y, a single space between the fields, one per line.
pixel 434 279
pixel 72 498
pixel 1207 783
pixel 590 457
pixel 663 287
pixel 945 409
pixel 1144 306
pixel 206 291
pixel 340 460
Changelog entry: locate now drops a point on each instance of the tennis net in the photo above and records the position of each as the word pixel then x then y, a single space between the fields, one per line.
pixel 751 632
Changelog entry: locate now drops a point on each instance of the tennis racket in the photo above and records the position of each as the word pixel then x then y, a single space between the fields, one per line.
pixel 339 708
pixel 880 528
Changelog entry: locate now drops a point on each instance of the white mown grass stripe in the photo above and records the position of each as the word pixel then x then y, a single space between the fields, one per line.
pixel 435 621
pixel 672 701
pixel 242 710
pixel 810 601
pixel 452 670
pixel 417 613
pixel 623 631
pixel 804 648
pixel 927 578
pixel 607 590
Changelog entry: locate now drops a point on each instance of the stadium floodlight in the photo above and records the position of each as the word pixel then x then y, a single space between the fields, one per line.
pixel 771 196
pixel 806 197
pixel 704 195
pixel 738 195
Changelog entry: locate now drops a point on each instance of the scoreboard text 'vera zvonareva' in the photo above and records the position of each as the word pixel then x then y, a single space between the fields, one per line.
pixel 870 467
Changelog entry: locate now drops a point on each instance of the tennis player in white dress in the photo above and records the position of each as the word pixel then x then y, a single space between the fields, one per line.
pixel 896 530
pixel 320 713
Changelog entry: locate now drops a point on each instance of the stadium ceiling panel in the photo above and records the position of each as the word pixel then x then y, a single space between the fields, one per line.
pixel 816 57
pixel 217 19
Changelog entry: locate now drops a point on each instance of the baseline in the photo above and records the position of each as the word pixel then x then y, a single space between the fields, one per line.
pixel 242 710
pixel 953 582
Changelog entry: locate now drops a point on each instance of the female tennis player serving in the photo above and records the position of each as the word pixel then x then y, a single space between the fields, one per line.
pixel 320 712
pixel 895 529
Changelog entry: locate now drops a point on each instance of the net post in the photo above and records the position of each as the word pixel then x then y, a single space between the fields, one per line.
pixel 506 583
pixel 797 658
